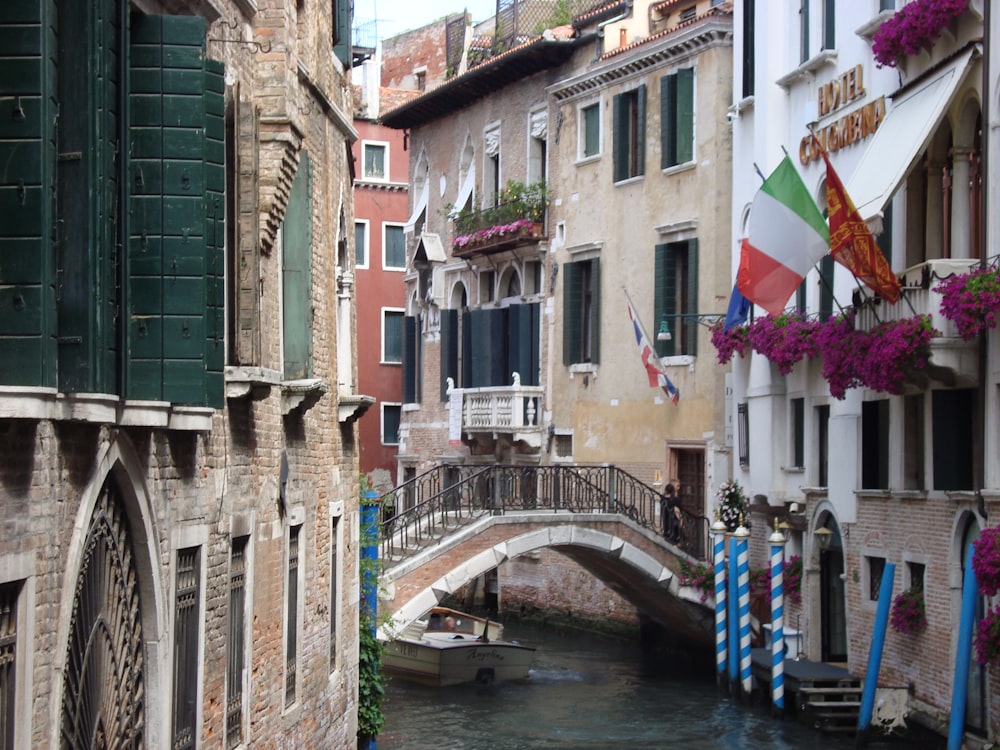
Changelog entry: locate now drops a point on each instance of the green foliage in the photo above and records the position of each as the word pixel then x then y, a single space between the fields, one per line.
pixel 515 201
pixel 371 682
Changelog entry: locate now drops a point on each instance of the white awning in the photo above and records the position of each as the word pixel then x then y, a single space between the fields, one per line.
pixel 419 207
pixel 429 249
pixel 903 135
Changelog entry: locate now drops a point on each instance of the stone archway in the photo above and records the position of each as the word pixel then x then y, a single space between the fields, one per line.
pixel 103 700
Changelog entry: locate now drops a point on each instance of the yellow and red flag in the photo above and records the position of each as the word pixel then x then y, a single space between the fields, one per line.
pixel 851 242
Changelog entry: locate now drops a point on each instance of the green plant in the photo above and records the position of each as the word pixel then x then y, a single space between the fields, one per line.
pixel 371 681
pixel 699 576
pixel 517 205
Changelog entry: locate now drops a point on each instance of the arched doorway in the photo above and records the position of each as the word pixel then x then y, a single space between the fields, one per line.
pixel 103 701
pixel 833 610
pixel 976 704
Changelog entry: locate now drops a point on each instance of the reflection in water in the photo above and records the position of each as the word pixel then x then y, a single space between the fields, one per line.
pixel 585 692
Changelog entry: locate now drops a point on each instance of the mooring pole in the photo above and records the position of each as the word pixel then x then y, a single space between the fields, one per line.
pixel 734 617
pixel 719 559
pixel 875 654
pixel 963 655
pixel 777 541
pixel 743 564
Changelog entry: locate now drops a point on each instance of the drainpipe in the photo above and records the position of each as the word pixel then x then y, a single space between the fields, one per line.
pixel 603 24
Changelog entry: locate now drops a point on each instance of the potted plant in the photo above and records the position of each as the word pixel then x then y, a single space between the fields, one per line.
pixel 913 28
pixel 698 576
pixel 733 505
pixel 727 343
pixel 785 340
pixel 987 639
pixel 520 209
pixel 971 301
pixel 986 561
pixel 909 614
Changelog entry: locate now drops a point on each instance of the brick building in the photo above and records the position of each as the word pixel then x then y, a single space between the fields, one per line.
pixel 178 562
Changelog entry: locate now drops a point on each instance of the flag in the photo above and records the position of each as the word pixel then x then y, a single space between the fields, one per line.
pixel 739 309
pixel 851 242
pixel 654 370
pixel 787 237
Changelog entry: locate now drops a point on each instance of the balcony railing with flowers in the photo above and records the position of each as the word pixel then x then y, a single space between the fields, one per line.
pixel 517 218
pixel 513 410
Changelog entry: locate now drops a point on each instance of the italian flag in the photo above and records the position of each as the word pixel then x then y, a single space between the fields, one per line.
pixel 787 237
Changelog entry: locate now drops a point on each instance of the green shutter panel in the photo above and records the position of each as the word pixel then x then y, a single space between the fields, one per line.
pixel 595 296
pixel 691 296
pixel 640 137
pixel 449 350
pixel 176 214
pixel 826 287
pixel 668 124
pixel 27 346
pixel 411 332
pixel 521 344
pixel 215 233
pixel 660 301
pixel 342 12
pixel 572 302
pixel 478 324
pixel 685 116
pixel 667 290
pixel 620 138
pixel 296 262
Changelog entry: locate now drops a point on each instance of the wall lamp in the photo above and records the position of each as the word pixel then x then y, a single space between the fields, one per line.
pixel 823 538
pixel 706 319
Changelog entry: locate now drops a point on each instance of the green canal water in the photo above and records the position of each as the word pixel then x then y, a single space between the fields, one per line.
pixel 585 692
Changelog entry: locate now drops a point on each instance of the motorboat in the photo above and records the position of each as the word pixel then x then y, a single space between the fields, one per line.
pixel 449 647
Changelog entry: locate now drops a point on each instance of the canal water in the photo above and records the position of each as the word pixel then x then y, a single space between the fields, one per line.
pixel 587 692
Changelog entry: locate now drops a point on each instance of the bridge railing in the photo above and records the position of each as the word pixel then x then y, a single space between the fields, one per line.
pixel 447 497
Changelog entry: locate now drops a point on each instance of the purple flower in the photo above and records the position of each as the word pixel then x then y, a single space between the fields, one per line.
pixel 915 27
pixel 909 614
pixel 987 640
pixel 971 300
pixel 986 561
pixel 734 341
pixel 785 340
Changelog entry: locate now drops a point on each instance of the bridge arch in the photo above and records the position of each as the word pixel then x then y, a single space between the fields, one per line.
pixel 632 560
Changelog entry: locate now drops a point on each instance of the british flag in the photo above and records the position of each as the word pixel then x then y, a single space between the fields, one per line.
pixel 654 370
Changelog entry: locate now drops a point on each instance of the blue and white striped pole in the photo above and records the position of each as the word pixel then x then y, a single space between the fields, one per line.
pixel 743 570
pixel 777 541
pixel 719 558
pixel 733 617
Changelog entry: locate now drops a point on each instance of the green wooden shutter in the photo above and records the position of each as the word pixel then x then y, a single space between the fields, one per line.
pixel 523 344
pixel 668 121
pixel 691 298
pixel 826 288
pixel 342 18
pixel 620 139
pixel 665 297
pixel 466 325
pixel 684 121
pixel 595 310
pixel 296 274
pixel 215 233
pixel 176 235
pixel 572 302
pixel 449 350
pixel 27 346
pixel 411 361
pixel 640 131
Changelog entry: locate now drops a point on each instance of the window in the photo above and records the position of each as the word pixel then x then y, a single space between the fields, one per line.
pixel 823 444
pixel 875 444
pixel 292 614
pixel 590 131
pixel 296 275
pixel 452 323
pixel 798 446
pixel 491 166
pixel 749 47
pixel 803 30
pixel 186 617
pixel 392 336
pixel 630 134
pixel 412 355
pixel 913 442
pixel 952 418
pixel 394 253
pixel 391 415
pixel 91 315
pixel 829 26
pixel 376 161
pixel 236 642
pixel 676 294
pixel 743 430
pixel 677 118
pixel 343 18
pixel 487 283
pixel 537 146
pixel 581 311
pixel 688 13
pixel 915 573
pixel 9 594
pixel 876 567
pixel 334 581
pixel 361 244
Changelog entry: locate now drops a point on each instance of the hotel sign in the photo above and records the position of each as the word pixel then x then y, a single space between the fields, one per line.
pixel 854 126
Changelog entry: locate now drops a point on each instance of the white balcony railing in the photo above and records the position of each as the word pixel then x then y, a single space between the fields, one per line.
pixel 513 410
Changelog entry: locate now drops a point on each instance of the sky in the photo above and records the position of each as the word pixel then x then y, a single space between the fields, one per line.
pixel 394 16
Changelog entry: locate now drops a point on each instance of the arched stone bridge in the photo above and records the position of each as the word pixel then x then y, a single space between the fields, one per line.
pixel 631 559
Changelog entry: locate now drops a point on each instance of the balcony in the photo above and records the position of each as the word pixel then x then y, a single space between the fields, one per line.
pixel 512 410
pixel 953 361
pixel 517 219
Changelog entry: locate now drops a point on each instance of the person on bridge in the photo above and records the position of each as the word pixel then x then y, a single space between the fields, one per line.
pixel 668 512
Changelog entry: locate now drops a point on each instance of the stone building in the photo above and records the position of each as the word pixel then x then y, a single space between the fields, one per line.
pixel 519 349
pixel 177 375
pixel 905 477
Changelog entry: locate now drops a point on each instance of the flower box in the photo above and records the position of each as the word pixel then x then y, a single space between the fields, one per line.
pixel 497 238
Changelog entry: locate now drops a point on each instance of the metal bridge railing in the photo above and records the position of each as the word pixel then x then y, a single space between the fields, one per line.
pixel 426 508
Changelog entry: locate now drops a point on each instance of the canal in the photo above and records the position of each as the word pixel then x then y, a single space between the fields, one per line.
pixel 586 692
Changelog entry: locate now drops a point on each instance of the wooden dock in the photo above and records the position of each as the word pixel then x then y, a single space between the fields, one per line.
pixel 824 695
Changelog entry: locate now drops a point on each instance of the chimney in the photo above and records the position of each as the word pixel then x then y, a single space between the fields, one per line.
pixel 371 80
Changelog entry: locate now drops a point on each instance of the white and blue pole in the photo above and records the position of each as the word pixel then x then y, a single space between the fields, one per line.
pixel 963 655
pixel 733 617
pixel 777 541
pixel 742 536
pixel 719 559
